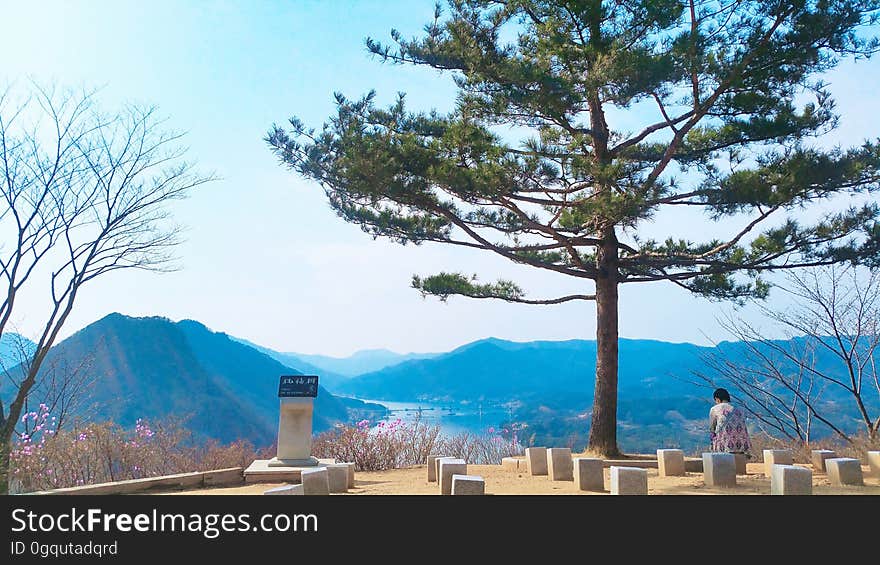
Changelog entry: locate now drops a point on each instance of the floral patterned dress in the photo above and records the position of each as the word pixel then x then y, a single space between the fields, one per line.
pixel 727 427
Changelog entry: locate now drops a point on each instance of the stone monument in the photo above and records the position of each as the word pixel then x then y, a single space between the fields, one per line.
pixel 296 394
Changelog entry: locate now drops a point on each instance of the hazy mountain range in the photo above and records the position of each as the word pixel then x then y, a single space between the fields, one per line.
pixel 335 370
pixel 495 369
pixel 153 367
pixel 360 362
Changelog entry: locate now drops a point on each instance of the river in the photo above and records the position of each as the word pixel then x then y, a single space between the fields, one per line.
pixel 452 418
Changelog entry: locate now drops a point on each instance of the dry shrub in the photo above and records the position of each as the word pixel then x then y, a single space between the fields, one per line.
pixel 388 445
pixel 801 451
pixel 480 449
pixel 397 444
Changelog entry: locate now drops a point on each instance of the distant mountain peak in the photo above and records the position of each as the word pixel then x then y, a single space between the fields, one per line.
pixel 151 367
pixel 360 362
pixel 377 350
pixel 191 322
pixel 118 316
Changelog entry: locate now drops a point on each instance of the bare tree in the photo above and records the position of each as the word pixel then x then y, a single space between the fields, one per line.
pixel 64 388
pixel 825 371
pixel 83 194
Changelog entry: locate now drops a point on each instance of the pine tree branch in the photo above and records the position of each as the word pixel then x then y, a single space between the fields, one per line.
pixel 700 109
pixel 445 285
pixel 667 123
pixel 587 272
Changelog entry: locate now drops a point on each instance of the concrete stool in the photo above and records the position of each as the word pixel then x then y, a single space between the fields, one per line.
pixel 629 480
pixel 740 460
pixel 559 464
pixel 818 457
pixel 350 474
pixel 776 457
pixel 450 466
pixel 437 466
pixel 844 471
pixel 537 458
pixel 315 481
pixel 670 462
pixel 791 479
pixel 589 474
pixel 286 489
pixel 719 469
pixel 337 475
pixel 468 484
pixel 693 465
pixel 433 467
pixel 874 463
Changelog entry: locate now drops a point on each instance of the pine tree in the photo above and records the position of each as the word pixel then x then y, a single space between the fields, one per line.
pixel 733 100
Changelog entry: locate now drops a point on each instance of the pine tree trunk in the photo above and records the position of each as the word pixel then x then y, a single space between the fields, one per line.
pixel 603 429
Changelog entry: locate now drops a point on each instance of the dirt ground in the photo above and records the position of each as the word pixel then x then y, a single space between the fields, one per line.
pixel 499 481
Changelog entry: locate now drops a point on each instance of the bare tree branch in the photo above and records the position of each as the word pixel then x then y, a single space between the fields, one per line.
pixel 85 194
pixel 832 340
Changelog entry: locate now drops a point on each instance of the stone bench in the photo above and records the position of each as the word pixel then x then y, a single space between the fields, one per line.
pixel 589 474
pixel 629 480
pixel 433 467
pixel 218 477
pixel 719 469
pixel 337 473
pixel 791 480
pixel 641 463
pixel 693 464
pixel 740 460
pixel 315 481
pixel 874 463
pixel 516 464
pixel 468 484
pixel 818 457
pixel 670 462
pixel 844 471
pixel 776 457
pixel 559 464
pixel 287 489
pixel 224 477
pixel 537 460
pixel 450 466
pixel 350 474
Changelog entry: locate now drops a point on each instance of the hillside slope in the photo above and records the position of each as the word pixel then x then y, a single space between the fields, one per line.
pixel 152 368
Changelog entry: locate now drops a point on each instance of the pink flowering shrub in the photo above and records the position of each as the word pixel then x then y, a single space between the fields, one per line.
pixel 43 459
pixel 396 444
pixel 387 445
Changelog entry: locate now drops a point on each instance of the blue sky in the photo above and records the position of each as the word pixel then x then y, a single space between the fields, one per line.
pixel 265 258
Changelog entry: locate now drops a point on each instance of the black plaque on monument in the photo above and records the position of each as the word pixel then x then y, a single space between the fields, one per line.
pixel 298 386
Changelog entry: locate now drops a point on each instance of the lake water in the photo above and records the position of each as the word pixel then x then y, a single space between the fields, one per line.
pixel 452 418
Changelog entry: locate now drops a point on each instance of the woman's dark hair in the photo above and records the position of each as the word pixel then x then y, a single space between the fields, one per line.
pixel 721 394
